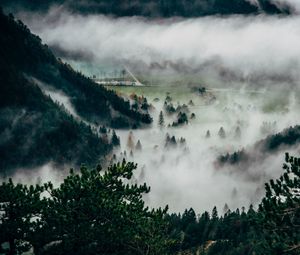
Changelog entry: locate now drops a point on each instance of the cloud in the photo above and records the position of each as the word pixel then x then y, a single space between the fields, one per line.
pixel 294 4
pixel 253 47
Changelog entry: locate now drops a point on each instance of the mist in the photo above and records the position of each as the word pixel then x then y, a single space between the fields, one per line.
pixel 189 176
pixel 250 63
pixel 57 96
pixel 256 50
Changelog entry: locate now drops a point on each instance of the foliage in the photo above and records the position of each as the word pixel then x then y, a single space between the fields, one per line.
pixel 182 119
pixel 91 212
pixel 115 140
pixel 281 209
pixel 99 212
pixel 161 120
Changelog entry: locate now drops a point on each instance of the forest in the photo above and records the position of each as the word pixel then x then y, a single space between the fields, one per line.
pixel 155 8
pixel 96 211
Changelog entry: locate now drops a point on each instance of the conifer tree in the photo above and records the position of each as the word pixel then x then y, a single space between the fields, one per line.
pixel 207 134
pixel 115 140
pixel 161 121
pixel 222 133
pixel 138 146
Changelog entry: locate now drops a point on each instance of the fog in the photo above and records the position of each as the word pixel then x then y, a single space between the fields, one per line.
pixel 217 49
pixel 254 62
pixel 192 178
pixel 57 96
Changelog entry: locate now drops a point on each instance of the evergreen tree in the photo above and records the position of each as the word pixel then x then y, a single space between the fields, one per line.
pixel 115 140
pixel 138 146
pixel 20 210
pixel 207 134
pixel 161 121
pixel 222 133
pixel 214 213
pixel 91 212
pixel 193 116
pixel 103 130
pixel 281 209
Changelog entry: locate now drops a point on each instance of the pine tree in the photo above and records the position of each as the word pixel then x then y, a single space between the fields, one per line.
pixel 138 146
pixel 214 213
pixel 222 133
pixel 281 209
pixel 115 140
pixel 161 121
pixel 207 134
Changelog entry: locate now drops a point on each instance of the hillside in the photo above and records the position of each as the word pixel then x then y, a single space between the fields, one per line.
pixel 260 150
pixel 92 102
pixel 153 8
pixel 33 129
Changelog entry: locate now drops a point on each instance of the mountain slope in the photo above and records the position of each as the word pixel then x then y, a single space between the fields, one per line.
pixel 154 8
pixel 92 102
pixel 33 129
pixel 272 144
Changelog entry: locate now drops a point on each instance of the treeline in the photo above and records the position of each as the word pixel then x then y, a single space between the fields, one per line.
pixel 89 213
pixel 156 8
pixel 98 212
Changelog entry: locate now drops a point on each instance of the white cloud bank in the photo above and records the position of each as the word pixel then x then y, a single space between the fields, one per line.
pixel 253 46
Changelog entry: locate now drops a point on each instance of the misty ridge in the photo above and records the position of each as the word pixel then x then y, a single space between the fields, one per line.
pixel 203 97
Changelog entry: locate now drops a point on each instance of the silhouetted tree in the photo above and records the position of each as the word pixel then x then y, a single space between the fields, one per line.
pixel 138 146
pixel 161 120
pixel 222 133
pixel 115 140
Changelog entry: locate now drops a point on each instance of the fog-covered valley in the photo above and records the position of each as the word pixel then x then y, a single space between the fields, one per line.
pixel 150 127
pixel 249 66
pixel 190 173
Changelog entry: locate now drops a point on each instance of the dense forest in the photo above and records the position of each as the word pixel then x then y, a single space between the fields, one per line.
pixel 156 8
pixel 35 130
pixel 98 212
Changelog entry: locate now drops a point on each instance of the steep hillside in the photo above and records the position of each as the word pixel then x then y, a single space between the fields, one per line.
pixel 92 102
pixel 33 129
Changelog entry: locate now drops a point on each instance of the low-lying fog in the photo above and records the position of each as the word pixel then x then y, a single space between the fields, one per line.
pixel 254 60
pixel 191 177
